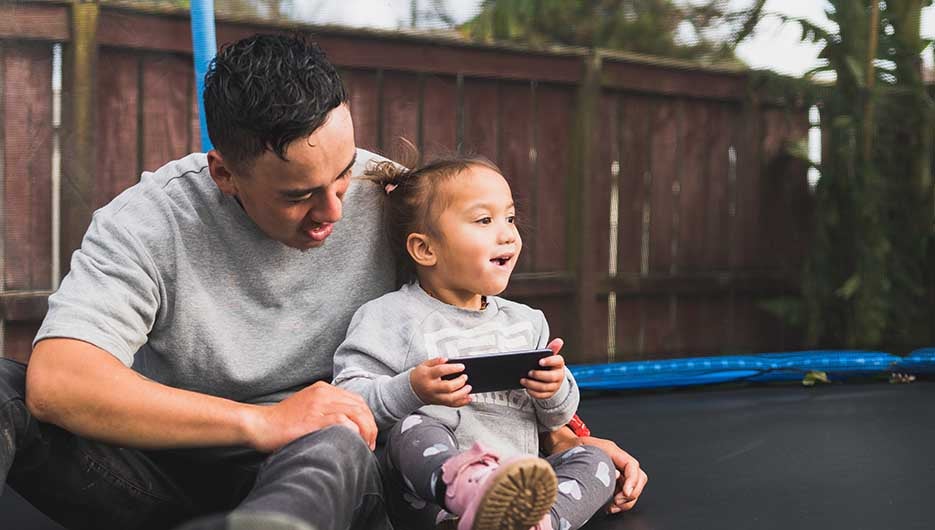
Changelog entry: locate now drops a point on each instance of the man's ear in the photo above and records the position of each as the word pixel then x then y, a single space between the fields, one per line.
pixel 420 249
pixel 221 173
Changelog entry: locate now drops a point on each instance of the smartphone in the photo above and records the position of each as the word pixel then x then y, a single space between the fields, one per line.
pixel 499 371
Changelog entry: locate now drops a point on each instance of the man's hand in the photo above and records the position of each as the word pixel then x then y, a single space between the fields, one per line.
pixel 543 384
pixel 630 478
pixel 426 380
pixel 313 408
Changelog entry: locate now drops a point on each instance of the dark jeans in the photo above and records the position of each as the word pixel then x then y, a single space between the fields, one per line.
pixel 328 479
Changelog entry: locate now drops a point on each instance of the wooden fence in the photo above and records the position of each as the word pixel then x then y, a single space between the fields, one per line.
pixel 659 207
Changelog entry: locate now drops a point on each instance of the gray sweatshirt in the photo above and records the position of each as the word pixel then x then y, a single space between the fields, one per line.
pixel 175 280
pixel 398 331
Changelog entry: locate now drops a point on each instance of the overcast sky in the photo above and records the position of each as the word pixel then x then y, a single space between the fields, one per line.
pixel 774 46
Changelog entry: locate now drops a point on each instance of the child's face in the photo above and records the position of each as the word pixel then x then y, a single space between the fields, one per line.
pixel 479 243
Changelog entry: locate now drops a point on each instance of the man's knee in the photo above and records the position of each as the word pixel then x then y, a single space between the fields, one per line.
pixel 337 444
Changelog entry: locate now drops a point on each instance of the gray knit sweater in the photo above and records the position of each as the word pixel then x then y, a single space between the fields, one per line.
pixel 389 336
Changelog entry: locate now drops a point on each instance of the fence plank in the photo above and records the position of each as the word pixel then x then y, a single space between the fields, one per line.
pixel 166 93
pixel 517 122
pixel 664 153
pixel 704 322
pixel 635 127
pixel 363 95
pixel 694 152
pixel 754 329
pixel 194 135
pixel 120 28
pixel 357 50
pixel 27 171
pixel 786 200
pixel 656 328
pixel 561 323
pixel 481 113
pixel 716 251
pixel 118 163
pixel 439 116
pixel 400 106
pixel 628 328
pixel 664 79
pixel 605 156
pixel 745 246
pixel 34 21
pixel 554 123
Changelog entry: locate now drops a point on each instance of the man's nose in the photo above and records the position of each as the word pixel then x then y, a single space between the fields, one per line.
pixel 329 209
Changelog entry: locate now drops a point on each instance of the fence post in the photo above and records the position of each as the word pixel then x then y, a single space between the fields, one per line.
pixel 586 340
pixel 78 72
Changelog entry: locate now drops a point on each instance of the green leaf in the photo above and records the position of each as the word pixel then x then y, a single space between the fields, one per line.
pixel 815 376
pixel 849 288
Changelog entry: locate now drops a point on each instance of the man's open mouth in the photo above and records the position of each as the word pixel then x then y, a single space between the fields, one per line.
pixel 320 232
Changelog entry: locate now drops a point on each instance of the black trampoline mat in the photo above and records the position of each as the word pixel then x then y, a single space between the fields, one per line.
pixel 841 456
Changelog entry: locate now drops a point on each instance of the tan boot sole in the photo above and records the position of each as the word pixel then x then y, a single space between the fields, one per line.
pixel 519 495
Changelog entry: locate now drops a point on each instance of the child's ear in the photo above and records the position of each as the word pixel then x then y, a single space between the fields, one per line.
pixel 420 249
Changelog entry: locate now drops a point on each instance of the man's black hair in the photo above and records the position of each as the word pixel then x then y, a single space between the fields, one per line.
pixel 265 91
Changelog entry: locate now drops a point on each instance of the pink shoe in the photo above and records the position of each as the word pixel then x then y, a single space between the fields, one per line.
pixel 545 523
pixel 488 495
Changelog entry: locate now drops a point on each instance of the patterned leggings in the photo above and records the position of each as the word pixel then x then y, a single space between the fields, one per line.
pixel 418 446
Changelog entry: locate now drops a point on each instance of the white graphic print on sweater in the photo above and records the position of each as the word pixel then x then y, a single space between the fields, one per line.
pixel 492 337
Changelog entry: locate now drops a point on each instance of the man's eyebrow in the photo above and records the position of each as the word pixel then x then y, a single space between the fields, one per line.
pixel 296 193
pixel 351 164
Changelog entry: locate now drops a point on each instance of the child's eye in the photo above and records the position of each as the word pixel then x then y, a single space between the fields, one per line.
pixel 485 220
pixel 511 219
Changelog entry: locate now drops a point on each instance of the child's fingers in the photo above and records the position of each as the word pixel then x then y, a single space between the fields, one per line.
pixel 447 386
pixel 547 376
pixel 460 397
pixel 540 395
pixel 538 386
pixel 552 362
pixel 556 345
pixel 435 361
pixel 444 369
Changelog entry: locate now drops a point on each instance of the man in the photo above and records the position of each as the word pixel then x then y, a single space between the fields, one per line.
pixel 180 369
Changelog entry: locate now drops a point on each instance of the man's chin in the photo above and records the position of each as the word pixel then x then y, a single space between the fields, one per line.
pixel 309 245
pixel 304 244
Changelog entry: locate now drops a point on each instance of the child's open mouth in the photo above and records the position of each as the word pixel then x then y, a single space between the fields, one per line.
pixel 501 260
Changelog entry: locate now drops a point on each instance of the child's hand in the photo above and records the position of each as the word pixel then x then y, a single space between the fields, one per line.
pixel 426 380
pixel 543 384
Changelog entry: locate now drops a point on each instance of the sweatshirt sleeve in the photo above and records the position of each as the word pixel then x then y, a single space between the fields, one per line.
pixel 112 294
pixel 554 412
pixel 371 362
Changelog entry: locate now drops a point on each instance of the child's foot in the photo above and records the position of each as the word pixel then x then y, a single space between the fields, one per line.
pixel 545 523
pixel 489 495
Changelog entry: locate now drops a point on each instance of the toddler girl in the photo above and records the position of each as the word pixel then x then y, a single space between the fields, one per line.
pixel 452 224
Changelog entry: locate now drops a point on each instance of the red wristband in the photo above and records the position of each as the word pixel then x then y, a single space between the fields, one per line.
pixel 578 427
